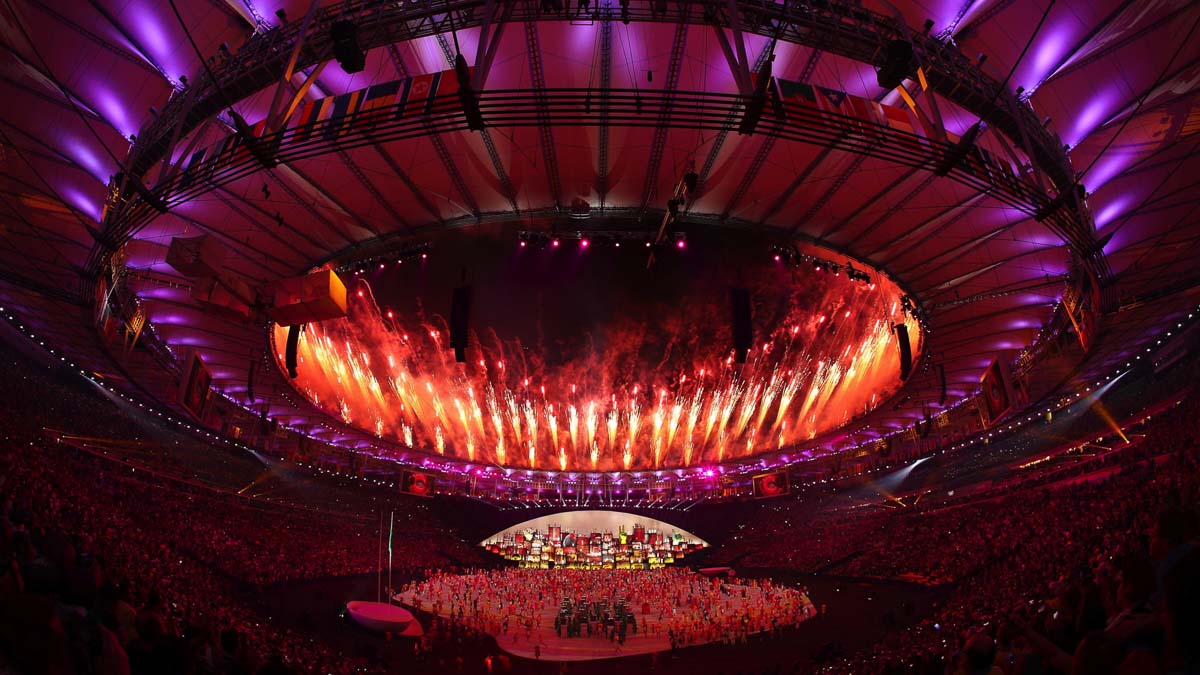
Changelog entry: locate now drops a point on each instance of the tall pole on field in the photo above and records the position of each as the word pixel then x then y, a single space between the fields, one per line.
pixel 391 528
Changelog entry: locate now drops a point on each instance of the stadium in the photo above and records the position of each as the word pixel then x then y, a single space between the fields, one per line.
pixel 529 336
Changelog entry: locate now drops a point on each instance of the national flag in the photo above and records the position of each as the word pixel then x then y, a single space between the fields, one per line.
pixel 865 113
pixel 831 100
pixel 220 156
pixel 798 92
pixel 343 106
pixel 379 96
pixel 980 162
pixel 313 112
pixel 188 174
pixel 444 86
pixel 241 149
pixel 402 96
pixel 899 119
pixel 420 94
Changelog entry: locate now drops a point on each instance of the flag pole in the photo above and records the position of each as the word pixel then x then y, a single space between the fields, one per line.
pixel 391 528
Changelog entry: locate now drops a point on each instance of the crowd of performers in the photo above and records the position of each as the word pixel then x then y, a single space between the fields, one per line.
pixel 673 606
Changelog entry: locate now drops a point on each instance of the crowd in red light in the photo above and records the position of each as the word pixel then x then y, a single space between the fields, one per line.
pixel 1071 571
pixel 108 569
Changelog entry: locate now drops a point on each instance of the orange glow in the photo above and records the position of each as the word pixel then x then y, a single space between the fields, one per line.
pixel 605 410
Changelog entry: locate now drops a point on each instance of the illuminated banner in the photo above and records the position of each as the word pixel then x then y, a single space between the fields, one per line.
pixel 1082 303
pixel 774 484
pixel 195 387
pixel 996 397
pixel 417 483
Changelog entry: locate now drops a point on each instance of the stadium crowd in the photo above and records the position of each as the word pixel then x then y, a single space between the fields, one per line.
pixel 108 568
pixel 105 568
pixel 1088 570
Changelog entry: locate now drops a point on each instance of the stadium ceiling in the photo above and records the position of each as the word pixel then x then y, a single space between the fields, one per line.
pixel 1102 94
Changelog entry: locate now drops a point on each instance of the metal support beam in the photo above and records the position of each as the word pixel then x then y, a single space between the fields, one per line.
pixel 506 186
pixel 678 45
pixel 731 121
pixel 417 193
pixel 867 203
pixel 821 201
pixel 485 53
pixel 748 178
pixel 799 180
pixel 285 80
pixel 545 137
pixel 605 107
pixel 370 187
pixel 735 55
pixel 464 192
pixel 299 200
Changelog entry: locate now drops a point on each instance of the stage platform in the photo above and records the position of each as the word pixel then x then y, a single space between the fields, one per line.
pixel 542 643
pixel 382 617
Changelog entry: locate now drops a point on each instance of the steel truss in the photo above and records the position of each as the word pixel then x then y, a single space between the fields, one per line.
pixel 840 27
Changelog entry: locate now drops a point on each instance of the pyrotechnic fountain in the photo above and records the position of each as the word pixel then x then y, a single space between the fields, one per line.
pixel 640 374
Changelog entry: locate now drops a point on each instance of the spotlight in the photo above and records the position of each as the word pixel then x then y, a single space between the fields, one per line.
pixel 523 243
pixel 554 242
pixel 583 243
pixel 680 244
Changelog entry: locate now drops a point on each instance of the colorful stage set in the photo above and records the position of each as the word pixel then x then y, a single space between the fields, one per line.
pixel 593 540
pixel 587 585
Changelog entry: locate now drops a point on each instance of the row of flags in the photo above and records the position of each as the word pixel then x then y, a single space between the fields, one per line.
pixel 868 115
pixel 335 116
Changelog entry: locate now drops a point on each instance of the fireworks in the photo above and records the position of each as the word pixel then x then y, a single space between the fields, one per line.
pixel 604 411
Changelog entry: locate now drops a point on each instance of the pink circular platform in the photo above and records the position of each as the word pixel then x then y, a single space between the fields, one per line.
pixel 384 618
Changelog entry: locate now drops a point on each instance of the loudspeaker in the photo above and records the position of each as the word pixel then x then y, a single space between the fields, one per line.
pixel 942 372
pixel 250 380
pixel 897 65
pixel 460 309
pixel 743 327
pixel 344 35
pixel 905 350
pixel 289 354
